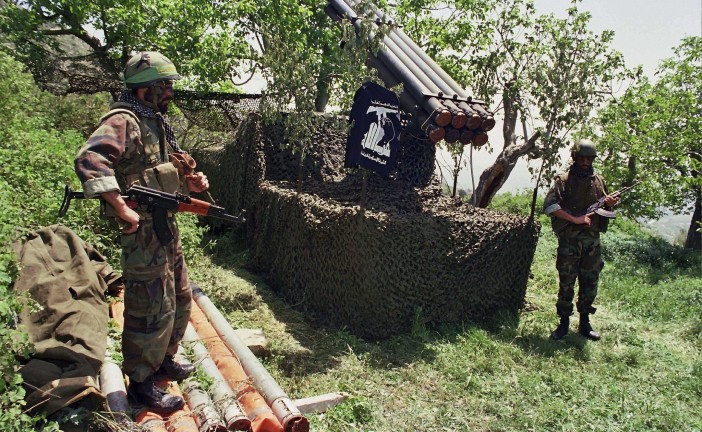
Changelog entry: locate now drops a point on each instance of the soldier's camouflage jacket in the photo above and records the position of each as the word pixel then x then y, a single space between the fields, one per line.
pixel 128 149
pixel 575 194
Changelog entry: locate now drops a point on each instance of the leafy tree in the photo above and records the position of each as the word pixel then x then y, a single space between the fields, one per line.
pixel 544 74
pixel 203 38
pixel 654 132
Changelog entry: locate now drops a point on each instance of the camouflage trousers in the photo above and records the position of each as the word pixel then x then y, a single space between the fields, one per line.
pixel 579 258
pixel 156 299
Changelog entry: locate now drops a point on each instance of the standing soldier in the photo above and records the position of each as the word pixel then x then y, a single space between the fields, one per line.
pixel 579 256
pixel 135 144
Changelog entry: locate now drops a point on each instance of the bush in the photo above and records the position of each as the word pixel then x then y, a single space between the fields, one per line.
pixel 519 203
pixel 35 162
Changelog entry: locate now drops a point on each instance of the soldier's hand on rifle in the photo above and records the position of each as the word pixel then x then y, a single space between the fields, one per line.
pixel 583 220
pixel 124 212
pixel 197 182
pixel 611 200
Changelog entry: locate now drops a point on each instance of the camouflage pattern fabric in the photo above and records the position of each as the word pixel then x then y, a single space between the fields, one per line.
pixel 157 299
pixel 579 258
pixel 127 148
pixel 579 255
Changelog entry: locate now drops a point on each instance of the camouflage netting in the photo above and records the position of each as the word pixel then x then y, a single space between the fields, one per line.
pixel 412 254
pixel 214 111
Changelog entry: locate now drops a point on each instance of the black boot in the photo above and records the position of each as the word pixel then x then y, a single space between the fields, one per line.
pixel 586 329
pixel 174 371
pixel 562 328
pixel 149 394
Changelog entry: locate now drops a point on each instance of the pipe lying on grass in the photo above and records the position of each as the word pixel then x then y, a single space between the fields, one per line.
pixel 222 394
pixel 285 411
pixel 255 406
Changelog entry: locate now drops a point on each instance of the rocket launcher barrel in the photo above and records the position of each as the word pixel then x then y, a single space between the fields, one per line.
pixel 419 91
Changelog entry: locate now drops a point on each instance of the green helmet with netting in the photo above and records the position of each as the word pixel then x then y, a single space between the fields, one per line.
pixel 148 68
pixel 584 147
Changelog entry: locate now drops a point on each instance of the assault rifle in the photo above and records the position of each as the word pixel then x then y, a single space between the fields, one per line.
pixel 598 207
pixel 159 204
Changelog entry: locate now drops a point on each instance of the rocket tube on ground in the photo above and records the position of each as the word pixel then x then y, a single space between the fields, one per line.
pixel 201 407
pixel 289 416
pixel 200 404
pixel 181 420
pixel 255 406
pixel 222 394
pixel 112 387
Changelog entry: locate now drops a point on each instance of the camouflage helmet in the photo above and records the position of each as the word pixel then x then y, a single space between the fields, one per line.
pixel 584 147
pixel 147 68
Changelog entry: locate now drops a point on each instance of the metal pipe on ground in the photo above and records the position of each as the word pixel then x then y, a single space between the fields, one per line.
pixel 181 420
pixel 441 115
pixel 289 416
pixel 112 386
pixel 222 394
pixel 255 406
pixel 200 404
pixel 150 421
pixel 201 407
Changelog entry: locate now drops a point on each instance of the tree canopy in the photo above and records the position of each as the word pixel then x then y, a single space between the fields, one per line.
pixel 205 39
pixel 653 132
pixel 539 72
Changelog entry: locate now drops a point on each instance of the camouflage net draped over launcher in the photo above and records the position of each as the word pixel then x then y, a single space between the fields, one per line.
pixel 412 254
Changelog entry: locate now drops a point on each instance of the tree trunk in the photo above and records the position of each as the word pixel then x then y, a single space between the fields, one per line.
pixel 694 237
pixel 323 84
pixel 495 176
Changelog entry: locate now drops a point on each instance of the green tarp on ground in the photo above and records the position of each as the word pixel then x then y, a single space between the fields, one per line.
pixel 68 279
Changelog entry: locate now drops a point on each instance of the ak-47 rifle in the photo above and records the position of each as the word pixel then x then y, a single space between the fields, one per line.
pixel 598 207
pixel 159 203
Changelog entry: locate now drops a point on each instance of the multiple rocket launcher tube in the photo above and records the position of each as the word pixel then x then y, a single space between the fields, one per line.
pixel 436 102
pixel 247 395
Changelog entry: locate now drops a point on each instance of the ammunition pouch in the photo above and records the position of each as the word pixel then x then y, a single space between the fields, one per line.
pixel 163 177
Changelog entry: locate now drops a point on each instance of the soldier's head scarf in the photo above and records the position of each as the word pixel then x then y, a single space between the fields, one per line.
pixel 143 110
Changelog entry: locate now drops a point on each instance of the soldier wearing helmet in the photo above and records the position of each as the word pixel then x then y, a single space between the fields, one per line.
pixel 135 144
pixel 579 256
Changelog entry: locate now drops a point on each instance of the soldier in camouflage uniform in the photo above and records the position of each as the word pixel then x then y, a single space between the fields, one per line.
pixel 579 256
pixel 135 144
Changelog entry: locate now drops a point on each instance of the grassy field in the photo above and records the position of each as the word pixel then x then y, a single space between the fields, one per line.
pixel 502 375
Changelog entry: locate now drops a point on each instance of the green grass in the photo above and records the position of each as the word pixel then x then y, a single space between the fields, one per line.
pixel 502 375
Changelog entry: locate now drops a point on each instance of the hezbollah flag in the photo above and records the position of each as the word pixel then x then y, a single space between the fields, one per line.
pixel 374 140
